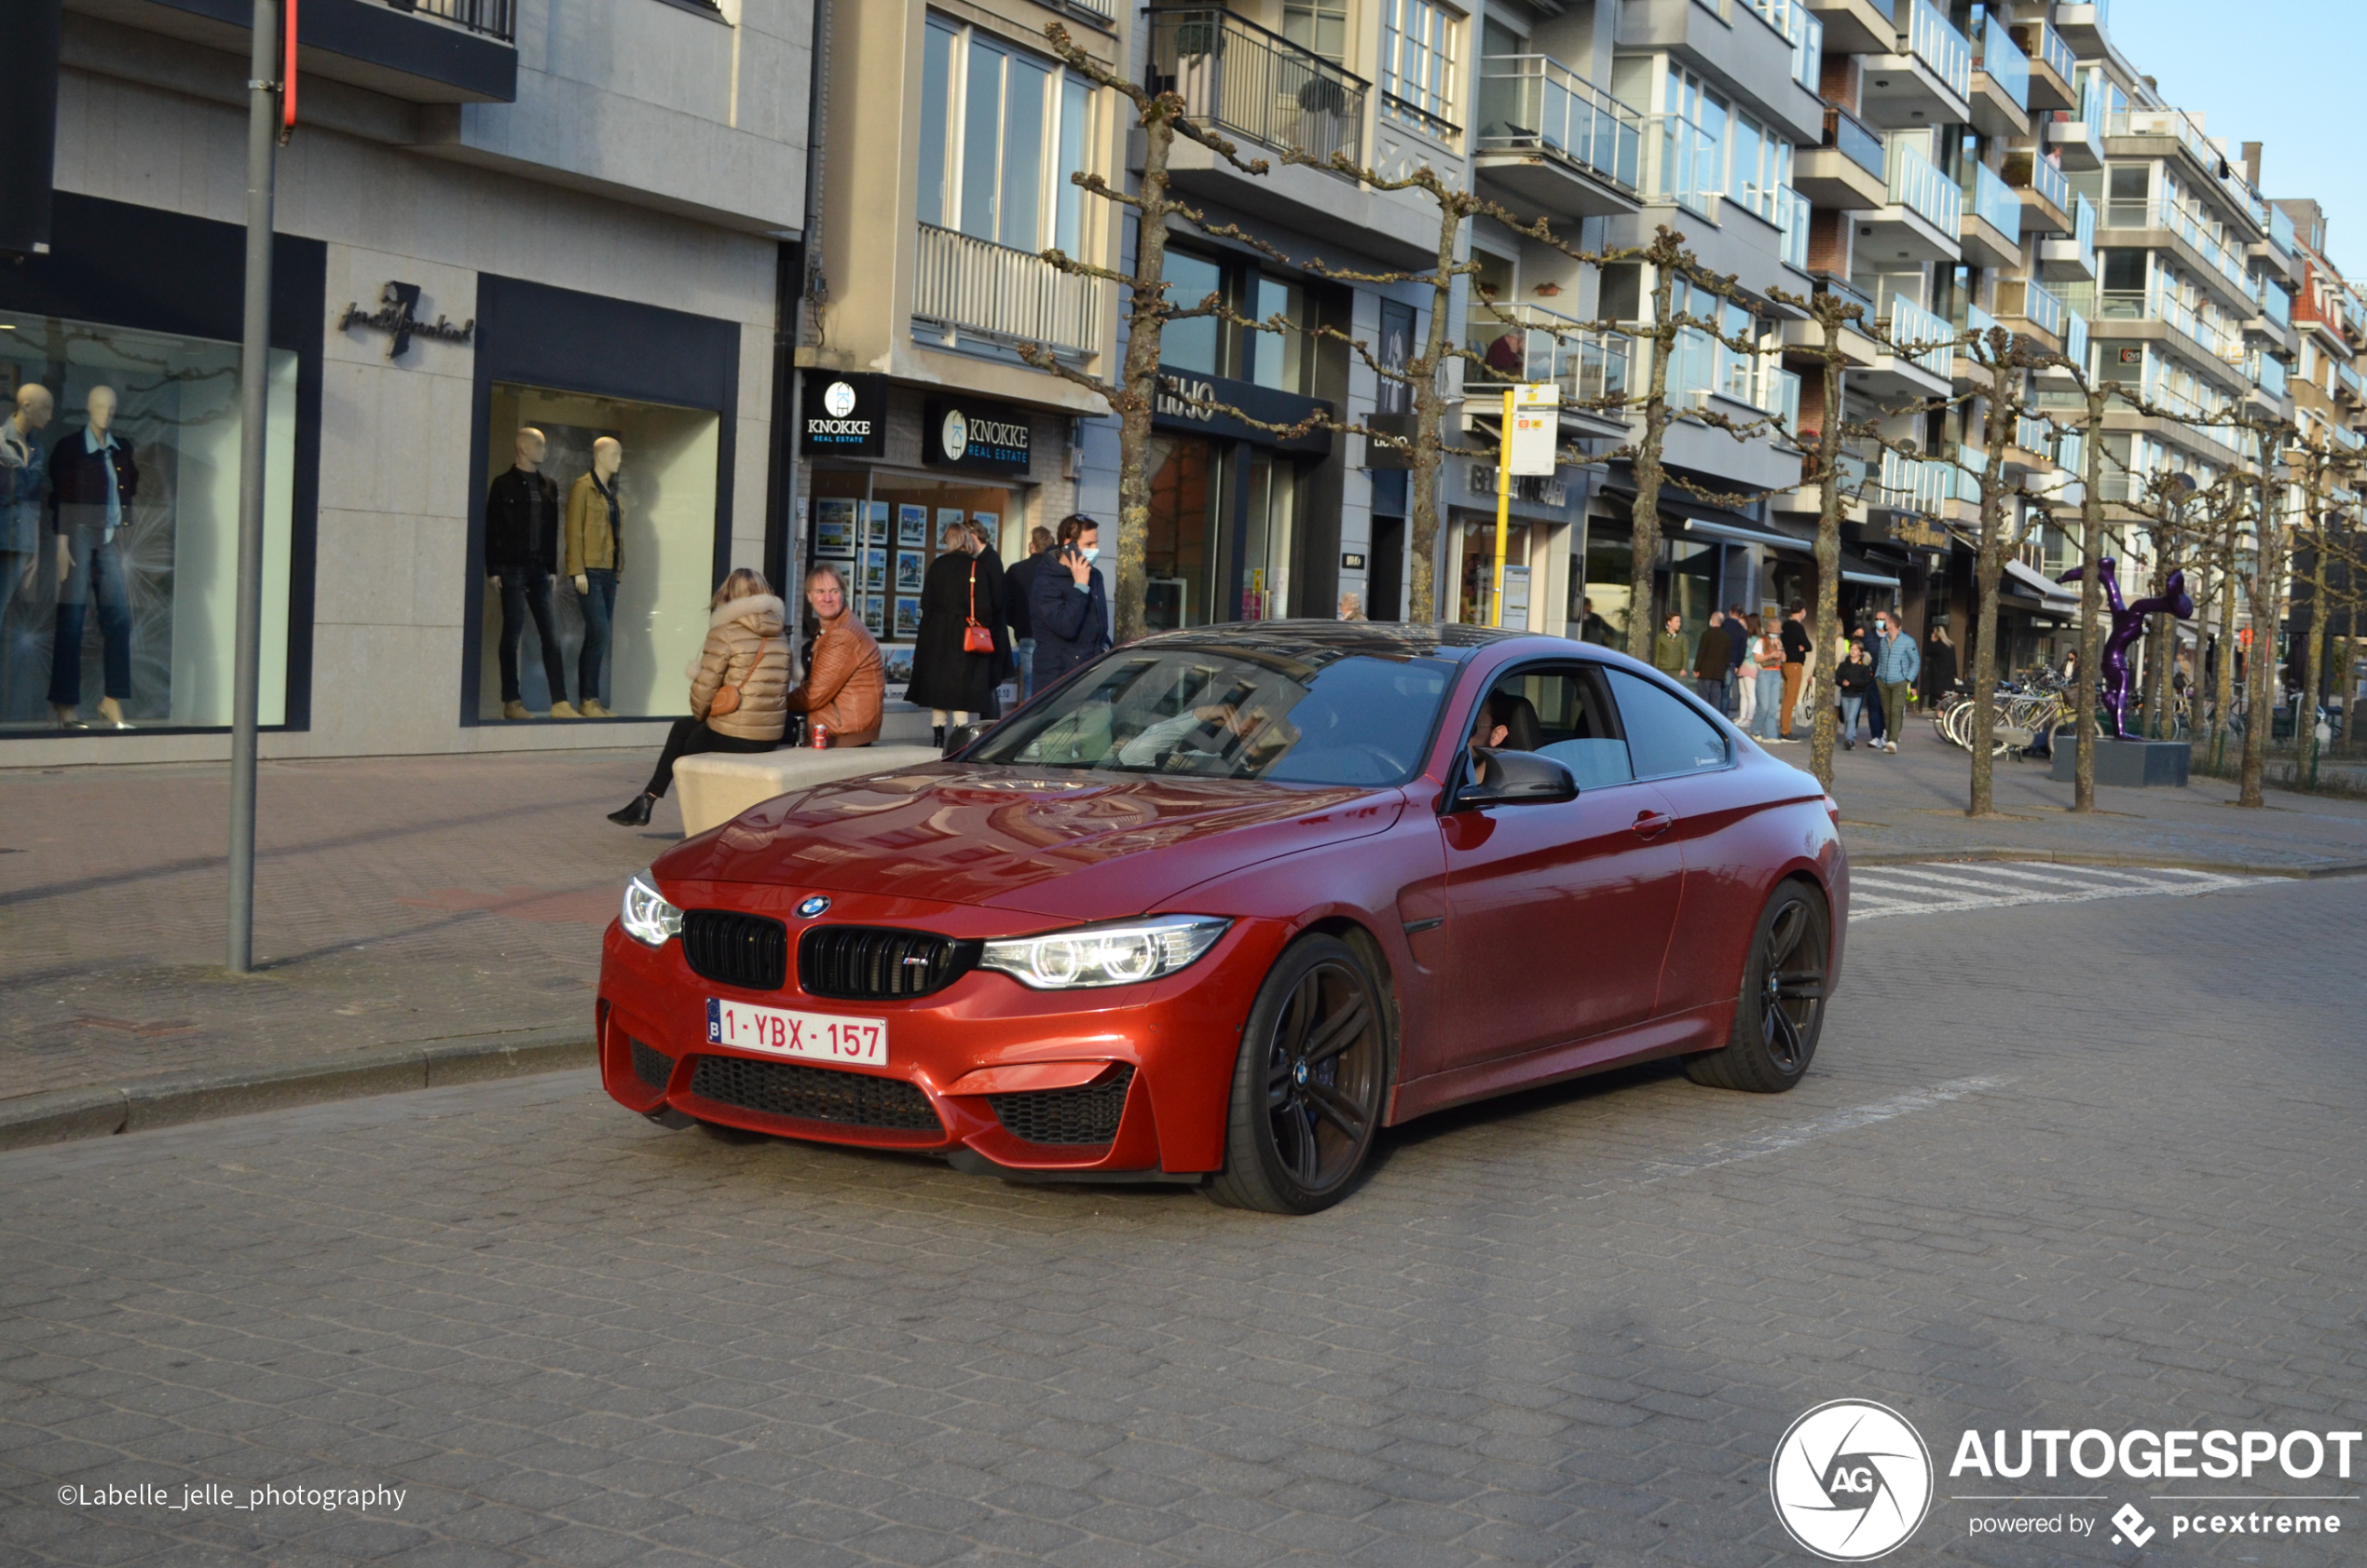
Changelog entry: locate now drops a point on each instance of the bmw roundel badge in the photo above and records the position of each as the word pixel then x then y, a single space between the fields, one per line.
pixel 813 907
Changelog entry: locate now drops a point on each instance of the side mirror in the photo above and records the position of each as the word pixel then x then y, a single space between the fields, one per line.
pixel 959 738
pixel 1516 778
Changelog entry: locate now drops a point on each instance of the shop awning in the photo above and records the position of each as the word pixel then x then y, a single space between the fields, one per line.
pixel 2057 598
pixel 1735 533
pixel 1869 580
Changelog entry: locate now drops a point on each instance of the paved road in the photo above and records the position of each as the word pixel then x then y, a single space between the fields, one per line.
pixel 2065 1165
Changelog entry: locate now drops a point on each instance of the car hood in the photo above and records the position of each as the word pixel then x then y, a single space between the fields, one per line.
pixel 1063 845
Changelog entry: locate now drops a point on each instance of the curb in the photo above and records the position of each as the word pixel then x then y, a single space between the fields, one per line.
pixel 146 1103
pixel 2104 857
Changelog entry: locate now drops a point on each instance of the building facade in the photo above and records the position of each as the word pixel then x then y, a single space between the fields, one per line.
pixel 574 217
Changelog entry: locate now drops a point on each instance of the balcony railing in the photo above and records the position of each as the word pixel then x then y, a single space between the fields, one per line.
pixel 2075 338
pixel 1924 485
pixel 2084 230
pixel 2280 230
pixel 495 19
pixel 2030 171
pixel 2155 303
pixel 2177 123
pixel 1932 39
pixel 1917 184
pixel 2040 41
pixel 1803 29
pixel 2267 372
pixel 2004 59
pixel 1533 102
pixel 1004 295
pixel 1528 343
pixel 1683 163
pixel 2032 433
pixel 1105 9
pixel 1994 202
pixel 1791 217
pixel 2026 300
pixel 2223 254
pixel 1858 144
pixel 1977 319
pixel 1920 336
pixel 1236 76
pixel 2273 301
pixel 1779 395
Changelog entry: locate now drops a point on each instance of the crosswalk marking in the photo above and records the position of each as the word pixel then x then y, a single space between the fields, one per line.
pixel 1947 887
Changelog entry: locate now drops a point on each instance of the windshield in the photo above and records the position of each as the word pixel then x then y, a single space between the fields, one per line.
pixel 1323 717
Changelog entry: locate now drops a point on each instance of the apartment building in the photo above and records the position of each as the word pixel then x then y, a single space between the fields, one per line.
pixel 573 216
pixel 2329 409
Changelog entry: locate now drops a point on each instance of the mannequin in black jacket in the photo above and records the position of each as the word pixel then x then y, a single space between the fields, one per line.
pixel 522 526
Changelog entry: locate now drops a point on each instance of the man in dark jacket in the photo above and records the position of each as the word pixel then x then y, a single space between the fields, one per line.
pixel 1066 608
pixel 1738 648
pixel 1710 662
pixel 1018 581
pixel 1796 646
pixel 520 559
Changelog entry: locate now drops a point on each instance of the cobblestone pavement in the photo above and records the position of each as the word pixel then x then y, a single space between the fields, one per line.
pixel 411 900
pixel 2059 1166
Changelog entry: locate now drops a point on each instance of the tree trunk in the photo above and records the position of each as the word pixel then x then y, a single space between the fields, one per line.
pixel 1430 415
pixel 1822 727
pixel 2260 660
pixel 1643 533
pixel 2314 664
pixel 2091 601
pixel 1146 331
pixel 1989 569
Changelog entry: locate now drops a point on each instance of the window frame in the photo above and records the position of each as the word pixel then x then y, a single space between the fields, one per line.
pixel 1719 725
pixel 1059 207
pixel 1431 103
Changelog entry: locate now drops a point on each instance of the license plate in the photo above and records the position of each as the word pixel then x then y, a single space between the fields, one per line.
pixel 814 1036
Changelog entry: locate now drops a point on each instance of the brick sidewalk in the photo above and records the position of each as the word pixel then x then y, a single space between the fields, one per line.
pixel 408 901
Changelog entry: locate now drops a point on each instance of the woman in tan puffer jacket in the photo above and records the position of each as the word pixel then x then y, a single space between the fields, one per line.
pixel 739 687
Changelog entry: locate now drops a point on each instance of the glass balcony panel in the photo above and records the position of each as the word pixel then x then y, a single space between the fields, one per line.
pixel 1920 336
pixel 1917 184
pixel 1861 146
pixel 1932 38
pixel 1534 102
pixel 1792 209
pixel 2005 61
pixel 1994 202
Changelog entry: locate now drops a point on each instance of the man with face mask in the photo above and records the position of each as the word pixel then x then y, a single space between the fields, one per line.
pixel 1066 603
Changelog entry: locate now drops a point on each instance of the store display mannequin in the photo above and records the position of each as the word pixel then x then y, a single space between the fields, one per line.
pixel 25 471
pixel 93 480
pixel 520 559
pixel 596 560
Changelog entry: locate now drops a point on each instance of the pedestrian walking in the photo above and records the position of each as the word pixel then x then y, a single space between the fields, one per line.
pixel 1939 668
pixel 1669 652
pixel 739 684
pixel 1593 628
pixel 1018 583
pixel 845 685
pixel 1768 659
pixel 1746 672
pixel 957 657
pixel 1854 682
pixel 1896 663
pixel 1068 605
pixel 1795 644
pixel 1710 662
pixel 1739 634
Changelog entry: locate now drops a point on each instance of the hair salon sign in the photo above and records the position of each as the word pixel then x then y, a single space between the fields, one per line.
pixel 397 316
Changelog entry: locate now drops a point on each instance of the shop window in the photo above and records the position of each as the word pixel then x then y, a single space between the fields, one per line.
pixel 1192 344
pixel 1178 545
pixel 120 525
pixel 1001 131
pixel 883 529
pixel 620 640
pixel 1610 555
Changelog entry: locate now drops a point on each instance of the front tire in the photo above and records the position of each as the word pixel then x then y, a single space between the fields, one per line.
pixel 1780 1010
pixel 1309 1083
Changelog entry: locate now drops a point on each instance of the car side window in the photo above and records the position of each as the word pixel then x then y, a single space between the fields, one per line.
pixel 1563 712
pixel 1666 735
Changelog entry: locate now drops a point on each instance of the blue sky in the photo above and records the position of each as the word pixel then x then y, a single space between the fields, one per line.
pixel 2280 71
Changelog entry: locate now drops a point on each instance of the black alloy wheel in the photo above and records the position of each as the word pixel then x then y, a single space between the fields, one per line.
pixel 1781 1009
pixel 1309 1083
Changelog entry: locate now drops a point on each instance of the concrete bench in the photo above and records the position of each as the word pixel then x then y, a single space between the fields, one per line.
pixel 718 786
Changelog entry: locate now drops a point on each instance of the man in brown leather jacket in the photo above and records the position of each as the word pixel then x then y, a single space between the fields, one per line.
pixel 844 686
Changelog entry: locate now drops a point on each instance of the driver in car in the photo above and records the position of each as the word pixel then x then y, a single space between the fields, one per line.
pixel 1219 728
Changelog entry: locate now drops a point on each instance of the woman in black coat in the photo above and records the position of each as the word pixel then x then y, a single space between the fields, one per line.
pixel 958 687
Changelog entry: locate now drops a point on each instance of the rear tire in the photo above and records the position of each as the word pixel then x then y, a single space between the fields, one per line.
pixel 1779 1009
pixel 1309 1083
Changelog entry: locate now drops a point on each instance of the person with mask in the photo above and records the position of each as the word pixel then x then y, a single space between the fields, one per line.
pixel 1067 604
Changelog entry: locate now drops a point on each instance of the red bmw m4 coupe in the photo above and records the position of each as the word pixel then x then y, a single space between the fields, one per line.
pixel 1219 906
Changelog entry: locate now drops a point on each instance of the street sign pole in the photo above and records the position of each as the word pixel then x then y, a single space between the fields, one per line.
pixel 254 401
pixel 1503 512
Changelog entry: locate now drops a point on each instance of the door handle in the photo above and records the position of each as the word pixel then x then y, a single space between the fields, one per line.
pixel 1651 824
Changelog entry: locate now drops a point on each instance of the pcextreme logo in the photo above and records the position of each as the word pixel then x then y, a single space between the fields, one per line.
pixel 1851 1481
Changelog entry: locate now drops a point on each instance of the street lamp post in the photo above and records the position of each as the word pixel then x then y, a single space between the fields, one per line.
pixel 254 401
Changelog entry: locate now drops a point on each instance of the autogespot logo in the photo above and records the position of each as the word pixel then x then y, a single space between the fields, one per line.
pixel 1851 1481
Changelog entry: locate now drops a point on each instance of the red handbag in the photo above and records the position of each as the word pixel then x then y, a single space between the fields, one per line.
pixel 975 637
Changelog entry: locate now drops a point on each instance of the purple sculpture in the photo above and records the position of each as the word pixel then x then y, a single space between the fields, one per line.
pixel 2128 624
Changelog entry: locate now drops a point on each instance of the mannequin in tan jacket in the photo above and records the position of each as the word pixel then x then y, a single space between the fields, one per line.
pixel 846 686
pixel 746 656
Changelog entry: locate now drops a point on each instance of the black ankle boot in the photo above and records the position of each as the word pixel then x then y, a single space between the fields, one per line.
pixel 636 813
pixel 937 736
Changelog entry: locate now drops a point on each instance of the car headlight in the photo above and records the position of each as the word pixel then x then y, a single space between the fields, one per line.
pixel 1119 954
pixel 648 916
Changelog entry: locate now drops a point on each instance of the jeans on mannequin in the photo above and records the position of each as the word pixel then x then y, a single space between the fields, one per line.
pixel 94 570
pixel 526 590
pixel 599 617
